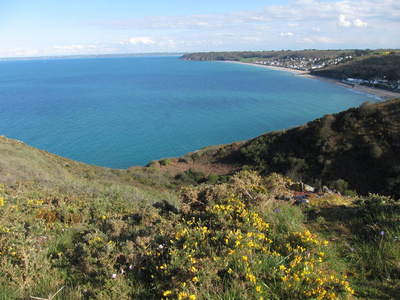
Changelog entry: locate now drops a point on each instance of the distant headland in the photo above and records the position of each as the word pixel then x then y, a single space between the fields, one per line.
pixel 94 56
pixel 372 71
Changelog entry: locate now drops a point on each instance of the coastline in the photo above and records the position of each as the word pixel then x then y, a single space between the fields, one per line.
pixel 381 93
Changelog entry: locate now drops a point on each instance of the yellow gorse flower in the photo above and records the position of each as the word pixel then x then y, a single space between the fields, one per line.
pixel 166 293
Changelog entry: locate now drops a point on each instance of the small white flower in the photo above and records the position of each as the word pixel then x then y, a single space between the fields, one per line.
pixel 113 276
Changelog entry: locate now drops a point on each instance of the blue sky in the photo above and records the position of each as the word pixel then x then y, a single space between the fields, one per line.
pixel 58 27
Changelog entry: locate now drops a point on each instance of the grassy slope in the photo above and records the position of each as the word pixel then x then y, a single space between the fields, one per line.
pixel 71 225
pixel 20 163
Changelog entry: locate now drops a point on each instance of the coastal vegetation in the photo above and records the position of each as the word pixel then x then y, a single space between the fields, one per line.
pixel 218 223
pixel 378 70
pixel 359 146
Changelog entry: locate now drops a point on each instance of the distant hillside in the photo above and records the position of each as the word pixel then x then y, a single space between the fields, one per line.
pixel 379 68
pixel 244 55
pixel 367 68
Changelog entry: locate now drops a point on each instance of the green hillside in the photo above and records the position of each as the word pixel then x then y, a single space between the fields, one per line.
pixel 360 146
pixel 246 55
pixel 369 67
pixel 197 228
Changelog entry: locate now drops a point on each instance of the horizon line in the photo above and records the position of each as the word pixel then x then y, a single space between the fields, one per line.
pixel 163 53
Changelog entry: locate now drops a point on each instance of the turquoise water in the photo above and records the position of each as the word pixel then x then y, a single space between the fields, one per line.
pixel 120 112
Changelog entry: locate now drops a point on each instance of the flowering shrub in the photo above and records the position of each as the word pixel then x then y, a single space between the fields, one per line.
pixel 228 241
pixel 222 246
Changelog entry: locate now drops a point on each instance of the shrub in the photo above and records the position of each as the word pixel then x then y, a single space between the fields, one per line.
pixel 223 245
pixel 340 185
pixel 165 162
pixel 349 193
pixel 366 109
pixel 375 151
pixel 213 178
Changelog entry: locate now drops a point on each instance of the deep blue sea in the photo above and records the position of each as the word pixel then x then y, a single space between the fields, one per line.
pixel 120 112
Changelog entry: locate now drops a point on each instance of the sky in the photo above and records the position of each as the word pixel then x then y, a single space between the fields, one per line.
pixel 57 27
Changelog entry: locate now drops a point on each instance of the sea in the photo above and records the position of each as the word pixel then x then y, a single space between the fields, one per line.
pixel 125 111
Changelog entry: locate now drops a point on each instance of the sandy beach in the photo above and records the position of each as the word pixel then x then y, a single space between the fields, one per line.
pixel 384 94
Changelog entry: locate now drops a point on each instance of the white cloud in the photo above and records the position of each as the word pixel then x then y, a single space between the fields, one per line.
pixel 60 50
pixel 359 23
pixel 160 23
pixel 144 40
pixel 289 25
pixel 321 39
pixel 25 52
pixel 346 23
pixel 163 42
pixel 261 27
pixel 286 34
pixel 203 24
pixel 326 40
pixel 296 13
pixel 70 47
pixel 305 40
pixel 343 22
pixel 169 43
pixel 247 40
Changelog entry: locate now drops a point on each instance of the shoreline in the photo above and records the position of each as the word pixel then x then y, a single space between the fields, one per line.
pixel 381 93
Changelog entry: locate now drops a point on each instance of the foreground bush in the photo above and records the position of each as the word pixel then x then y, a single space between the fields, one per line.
pixel 228 241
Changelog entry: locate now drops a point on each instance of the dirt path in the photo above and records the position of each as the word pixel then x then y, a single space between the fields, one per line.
pixel 177 166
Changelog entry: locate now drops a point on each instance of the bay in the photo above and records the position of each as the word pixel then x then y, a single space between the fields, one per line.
pixel 120 112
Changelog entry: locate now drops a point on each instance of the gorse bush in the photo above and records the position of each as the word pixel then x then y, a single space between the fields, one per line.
pixel 228 249
pixel 228 241
pixel 165 162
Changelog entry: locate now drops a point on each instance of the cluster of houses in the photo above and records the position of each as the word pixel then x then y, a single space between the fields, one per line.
pixel 308 64
pixel 377 82
pixel 302 63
